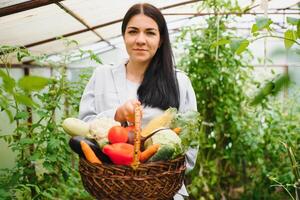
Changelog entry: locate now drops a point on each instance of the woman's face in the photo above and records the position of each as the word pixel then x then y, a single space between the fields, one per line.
pixel 142 38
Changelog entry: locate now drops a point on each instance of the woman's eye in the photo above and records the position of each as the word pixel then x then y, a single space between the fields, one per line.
pixel 151 33
pixel 131 32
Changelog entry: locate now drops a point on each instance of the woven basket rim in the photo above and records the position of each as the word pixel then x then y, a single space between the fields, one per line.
pixel 143 165
pixel 138 178
pixel 140 165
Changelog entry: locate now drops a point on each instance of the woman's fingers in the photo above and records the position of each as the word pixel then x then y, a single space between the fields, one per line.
pixel 126 111
pixel 131 109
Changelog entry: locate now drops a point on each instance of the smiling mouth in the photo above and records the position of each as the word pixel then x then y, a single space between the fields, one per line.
pixel 139 49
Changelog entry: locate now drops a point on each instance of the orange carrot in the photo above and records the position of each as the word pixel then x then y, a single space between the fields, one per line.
pixel 146 154
pixel 177 130
pixel 89 153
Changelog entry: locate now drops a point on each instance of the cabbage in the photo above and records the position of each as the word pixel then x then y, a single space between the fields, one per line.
pixel 99 127
pixel 163 137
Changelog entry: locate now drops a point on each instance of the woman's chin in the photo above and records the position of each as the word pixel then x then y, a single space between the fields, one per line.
pixel 141 59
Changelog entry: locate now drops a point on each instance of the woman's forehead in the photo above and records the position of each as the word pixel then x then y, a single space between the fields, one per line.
pixel 142 21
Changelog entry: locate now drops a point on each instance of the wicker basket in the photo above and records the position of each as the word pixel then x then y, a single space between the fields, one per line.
pixel 148 181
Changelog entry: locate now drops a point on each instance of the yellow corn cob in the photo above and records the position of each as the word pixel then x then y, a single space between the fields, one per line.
pixel 163 120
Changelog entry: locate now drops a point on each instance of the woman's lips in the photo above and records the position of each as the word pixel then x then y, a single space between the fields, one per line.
pixel 139 49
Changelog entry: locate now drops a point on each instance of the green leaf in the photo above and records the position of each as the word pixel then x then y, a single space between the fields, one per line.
pixel 281 82
pixel 22 115
pixel 290 37
pixel 48 165
pixel 37 189
pixel 235 43
pixel 25 100
pixel 4 194
pixel 243 46
pixel 263 22
pixel 33 83
pixel 5 49
pixel 52 146
pixel 246 9
pixel 68 42
pixel 293 21
pixel 272 87
pixel 22 53
pixel 94 57
pixel 8 82
pixel 47 195
pixel 35 156
pixel 239 45
pixel 254 28
pixel 26 141
pixel 5 106
pixel 220 42
pixel 52 157
pixel 42 113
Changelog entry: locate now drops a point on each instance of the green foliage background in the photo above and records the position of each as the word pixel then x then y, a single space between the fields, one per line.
pixel 45 167
pixel 242 153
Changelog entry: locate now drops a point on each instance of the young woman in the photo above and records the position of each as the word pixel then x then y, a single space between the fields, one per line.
pixel 148 77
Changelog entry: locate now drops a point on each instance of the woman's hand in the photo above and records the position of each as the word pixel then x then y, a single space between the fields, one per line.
pixel 125 113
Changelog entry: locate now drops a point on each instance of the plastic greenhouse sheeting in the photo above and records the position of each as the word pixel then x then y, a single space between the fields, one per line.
pixel 97 23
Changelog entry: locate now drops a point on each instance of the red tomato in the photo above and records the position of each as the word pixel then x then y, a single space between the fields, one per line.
pixel 117 134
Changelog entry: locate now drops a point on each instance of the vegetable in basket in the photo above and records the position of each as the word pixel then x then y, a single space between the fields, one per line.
pixel 164 153
pixel 74 143
pixel 149 152
pixel 119 153
pixel 163 120
pixel 99 127
pixel 74 127
pixel 170 145
pixel 95 129
pixel 117 134
pixel 122 153
pixel 89 153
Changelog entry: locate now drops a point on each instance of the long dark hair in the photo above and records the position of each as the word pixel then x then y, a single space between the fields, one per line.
pixel 159 87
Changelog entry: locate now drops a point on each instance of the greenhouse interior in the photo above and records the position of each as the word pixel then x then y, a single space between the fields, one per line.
pixel 241 59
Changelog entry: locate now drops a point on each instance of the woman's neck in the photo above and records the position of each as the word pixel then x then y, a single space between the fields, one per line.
pixel 135 71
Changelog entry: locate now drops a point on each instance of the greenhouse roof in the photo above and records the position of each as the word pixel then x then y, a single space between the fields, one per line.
pixel 38 25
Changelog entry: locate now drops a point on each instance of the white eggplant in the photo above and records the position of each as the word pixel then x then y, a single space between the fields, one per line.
pixel 76 127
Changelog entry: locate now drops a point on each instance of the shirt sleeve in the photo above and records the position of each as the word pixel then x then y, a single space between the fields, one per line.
pixel 187 102
pixel 190 98
pixel 190 103
pixel 87 107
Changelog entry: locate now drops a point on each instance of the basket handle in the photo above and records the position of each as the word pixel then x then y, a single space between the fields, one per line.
pixel 137 136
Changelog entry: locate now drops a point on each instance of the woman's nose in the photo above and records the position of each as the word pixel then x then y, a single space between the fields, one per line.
pixel 141 39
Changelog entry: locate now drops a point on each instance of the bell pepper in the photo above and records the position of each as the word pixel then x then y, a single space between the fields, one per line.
pixel 119 153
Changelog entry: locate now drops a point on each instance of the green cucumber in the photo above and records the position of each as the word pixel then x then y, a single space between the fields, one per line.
pixel 164 153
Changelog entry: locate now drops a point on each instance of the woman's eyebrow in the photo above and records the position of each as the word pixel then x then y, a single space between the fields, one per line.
pixel 147 29
pixel 151 29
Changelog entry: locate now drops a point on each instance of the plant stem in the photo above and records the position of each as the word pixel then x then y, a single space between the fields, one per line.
pixel 274 36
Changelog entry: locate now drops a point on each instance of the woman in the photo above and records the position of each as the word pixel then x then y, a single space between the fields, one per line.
pixel 147 77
